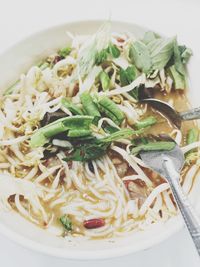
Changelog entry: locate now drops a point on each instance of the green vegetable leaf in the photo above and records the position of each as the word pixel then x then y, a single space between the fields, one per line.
pixel 140 56
pixel 178 78
pixel 105 80
pixel 113 50
pixel 101 56
pixel 161 50
pixel 178 61
pixel 149 37
pixel 66 222
pixel 96 148
pixel 86 152
pixel 185 52
pixel 128 76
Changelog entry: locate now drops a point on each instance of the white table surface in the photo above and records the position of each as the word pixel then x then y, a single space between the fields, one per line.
pixel 19 18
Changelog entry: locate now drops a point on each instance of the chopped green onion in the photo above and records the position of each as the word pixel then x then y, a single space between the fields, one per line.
pixel 90 106
pixel 105 80
pixel 113 50
pixel 149 121
pixel 64 51
pixel 75 110
pixel 66 222
pixel 68 125
pixel 111 110
pixel 153 146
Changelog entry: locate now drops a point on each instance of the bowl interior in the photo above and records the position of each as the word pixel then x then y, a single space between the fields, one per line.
pixel 17 60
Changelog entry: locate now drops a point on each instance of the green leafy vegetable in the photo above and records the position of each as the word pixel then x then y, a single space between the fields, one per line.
pixel 75 110
pixel 179 79
pixel 90 106
pixel 71 125
pixel 149 37
pixel 179 66
pixel 105 80
pixel 140 56
pixel 86 152
pixel 66 222
pixel 101 56
pixel 64 51
pixel 161 50
pixel 96 148
pixel 113 50
pixel 185 52
pixel 111 110
pixel 135 92
pixel 153 146
pixel 128 75
pixel 149 121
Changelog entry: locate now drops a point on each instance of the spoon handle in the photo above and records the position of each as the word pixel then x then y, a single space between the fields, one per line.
pixel 191 114
pixel 191 220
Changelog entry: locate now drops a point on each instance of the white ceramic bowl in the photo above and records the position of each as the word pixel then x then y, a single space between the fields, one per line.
pixel 17 60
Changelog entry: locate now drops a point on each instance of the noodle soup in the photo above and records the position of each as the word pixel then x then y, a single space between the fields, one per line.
pixel 72 128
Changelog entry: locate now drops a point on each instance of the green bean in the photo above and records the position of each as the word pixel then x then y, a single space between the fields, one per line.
pixel 113 50
pixel 89 106
pixel 123 133
pixel 152 146
pixel 105 80
pixel 68 125
pixel 75 110
pixel 149 121
pixel 111 110
pixel 78 133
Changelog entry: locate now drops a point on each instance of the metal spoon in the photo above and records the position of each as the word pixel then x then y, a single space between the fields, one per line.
pixel 169 164
pixel 175 117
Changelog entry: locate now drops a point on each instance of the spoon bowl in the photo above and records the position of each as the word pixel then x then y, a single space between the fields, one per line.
pixel 169 164
pixel 174 116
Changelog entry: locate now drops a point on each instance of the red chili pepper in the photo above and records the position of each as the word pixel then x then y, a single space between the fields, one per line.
pixel 93 223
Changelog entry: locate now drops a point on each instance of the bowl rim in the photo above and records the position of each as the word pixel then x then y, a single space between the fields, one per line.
pixel 84 254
